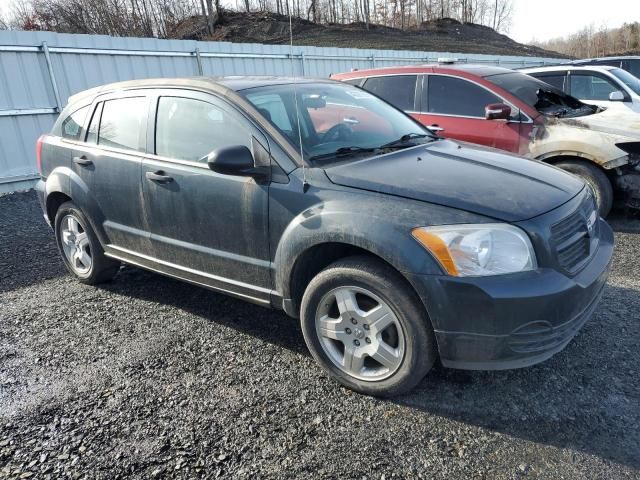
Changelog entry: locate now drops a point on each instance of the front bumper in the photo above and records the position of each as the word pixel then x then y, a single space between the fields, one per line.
pixel 516 320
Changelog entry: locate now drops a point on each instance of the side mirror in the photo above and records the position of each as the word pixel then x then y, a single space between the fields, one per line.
pixel 497 111
pixel 236 160
pixel 616 96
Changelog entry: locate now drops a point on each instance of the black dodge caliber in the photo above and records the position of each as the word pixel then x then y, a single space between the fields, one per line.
pixel 393 246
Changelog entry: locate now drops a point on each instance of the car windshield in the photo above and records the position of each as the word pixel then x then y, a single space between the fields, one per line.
pixel 629 80
pixel 545 98
pixel 336 121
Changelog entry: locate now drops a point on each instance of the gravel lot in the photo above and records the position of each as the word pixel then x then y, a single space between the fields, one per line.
pixel 149 377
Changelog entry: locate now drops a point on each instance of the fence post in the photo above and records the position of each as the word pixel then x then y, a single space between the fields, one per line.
pixel 303 63
pixel 373 61
pixel 198 61
pixel 52 75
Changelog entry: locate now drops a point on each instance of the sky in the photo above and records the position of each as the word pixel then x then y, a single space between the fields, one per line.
pixel 546 19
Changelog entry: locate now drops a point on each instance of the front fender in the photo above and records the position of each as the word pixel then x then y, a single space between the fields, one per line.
pixel 561 139
pixel 379 224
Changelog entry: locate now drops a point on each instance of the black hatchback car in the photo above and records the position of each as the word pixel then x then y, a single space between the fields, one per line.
pixel 393 246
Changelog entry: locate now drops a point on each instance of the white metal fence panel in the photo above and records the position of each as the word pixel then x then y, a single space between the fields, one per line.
pixel 40 70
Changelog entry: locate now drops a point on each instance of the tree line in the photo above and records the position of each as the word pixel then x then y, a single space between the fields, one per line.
pixel 159 18
pixel 597 42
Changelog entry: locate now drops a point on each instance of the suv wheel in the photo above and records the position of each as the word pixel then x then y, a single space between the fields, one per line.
pixel 81 251
pixel 594 178
pixel 365 326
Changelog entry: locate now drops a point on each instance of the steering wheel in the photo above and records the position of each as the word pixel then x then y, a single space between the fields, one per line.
pixel 340 131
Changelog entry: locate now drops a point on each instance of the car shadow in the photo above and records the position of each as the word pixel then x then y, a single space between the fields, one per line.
pixel 580 399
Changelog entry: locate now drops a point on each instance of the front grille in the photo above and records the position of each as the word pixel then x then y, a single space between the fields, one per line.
pixel 571 237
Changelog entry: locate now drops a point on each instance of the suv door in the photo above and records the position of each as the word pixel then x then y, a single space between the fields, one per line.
pixel 205 226
pixel 594 88
pixel 109 162
pixel 455 108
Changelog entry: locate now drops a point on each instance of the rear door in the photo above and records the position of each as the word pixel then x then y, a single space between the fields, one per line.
pixel 399 90
pixel 455 108
pixel 109 164
pixel 208 227
pixel 556 78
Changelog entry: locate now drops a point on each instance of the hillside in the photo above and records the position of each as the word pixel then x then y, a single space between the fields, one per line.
pixel 446 35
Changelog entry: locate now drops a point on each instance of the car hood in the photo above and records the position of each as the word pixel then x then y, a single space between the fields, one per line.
pixel 476 179
pixel 614 121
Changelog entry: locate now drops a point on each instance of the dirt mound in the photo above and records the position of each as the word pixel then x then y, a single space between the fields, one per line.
pixel 444 35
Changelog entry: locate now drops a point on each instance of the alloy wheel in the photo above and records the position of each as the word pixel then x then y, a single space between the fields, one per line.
pixel 360 333
pixel 75 244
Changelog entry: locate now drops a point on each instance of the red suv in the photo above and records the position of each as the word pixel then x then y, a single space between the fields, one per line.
pixel 500 108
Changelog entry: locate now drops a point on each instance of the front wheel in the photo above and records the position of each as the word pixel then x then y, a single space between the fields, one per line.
pixel 366 327
pixel 594 178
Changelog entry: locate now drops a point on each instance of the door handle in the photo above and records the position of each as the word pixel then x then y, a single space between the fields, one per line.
pixel 83 161
pixel 435 128
pixel 158 176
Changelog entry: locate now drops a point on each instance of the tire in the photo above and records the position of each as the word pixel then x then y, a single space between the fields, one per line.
pixel 406 345
pixel 596 179
pixel 80 248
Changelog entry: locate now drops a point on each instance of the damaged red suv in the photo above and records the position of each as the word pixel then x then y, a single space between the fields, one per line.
pixel 500 108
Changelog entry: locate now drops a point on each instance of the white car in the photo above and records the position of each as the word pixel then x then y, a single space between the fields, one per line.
pixel 604 86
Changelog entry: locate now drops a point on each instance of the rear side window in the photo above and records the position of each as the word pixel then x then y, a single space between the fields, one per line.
pixel 190 129
pixel 353 81
pixel 398 90
pixel 122 123
pixel 454 96
pixel 72 125
pixel 557 80
pixel 586 86
pixel 633 66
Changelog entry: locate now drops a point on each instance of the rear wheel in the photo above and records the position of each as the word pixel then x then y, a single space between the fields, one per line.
pixel 365 326
pixel 81 251
pixel 594 178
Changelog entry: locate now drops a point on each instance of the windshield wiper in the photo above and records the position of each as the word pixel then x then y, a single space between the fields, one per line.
pixel 343 152
pixel 405 140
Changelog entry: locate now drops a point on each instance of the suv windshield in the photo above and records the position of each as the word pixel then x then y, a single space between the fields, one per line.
pixel 336 120
pixel 545 98
pixel 629 80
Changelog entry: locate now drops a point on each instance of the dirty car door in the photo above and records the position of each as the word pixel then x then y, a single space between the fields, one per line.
pixel 205 225
pixel 109 164
pixel 455 108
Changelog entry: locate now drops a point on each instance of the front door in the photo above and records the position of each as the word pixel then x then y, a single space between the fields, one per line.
pixel 208 227
pixel 455 108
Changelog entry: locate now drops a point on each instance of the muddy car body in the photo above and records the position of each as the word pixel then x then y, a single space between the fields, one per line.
pixel 500 108
pixel 393 246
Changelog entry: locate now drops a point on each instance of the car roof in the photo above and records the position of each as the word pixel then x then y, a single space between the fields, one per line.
pixel 595 59
pixel 217 84
pixel 470 68
pixel 573 68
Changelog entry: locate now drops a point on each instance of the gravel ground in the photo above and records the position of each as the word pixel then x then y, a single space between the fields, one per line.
pixel 148 377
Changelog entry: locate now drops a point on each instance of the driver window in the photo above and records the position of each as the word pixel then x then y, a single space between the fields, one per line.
pixel 591 87
pixel 189 129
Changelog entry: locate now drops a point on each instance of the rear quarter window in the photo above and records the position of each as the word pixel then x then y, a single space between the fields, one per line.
pixel 72 125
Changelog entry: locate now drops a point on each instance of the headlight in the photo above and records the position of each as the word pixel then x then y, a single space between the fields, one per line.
pixel 478 250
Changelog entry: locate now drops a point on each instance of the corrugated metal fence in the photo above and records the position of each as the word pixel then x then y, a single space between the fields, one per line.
pixel 40 70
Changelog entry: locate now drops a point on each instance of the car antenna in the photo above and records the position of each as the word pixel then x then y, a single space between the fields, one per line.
pixel 305 184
